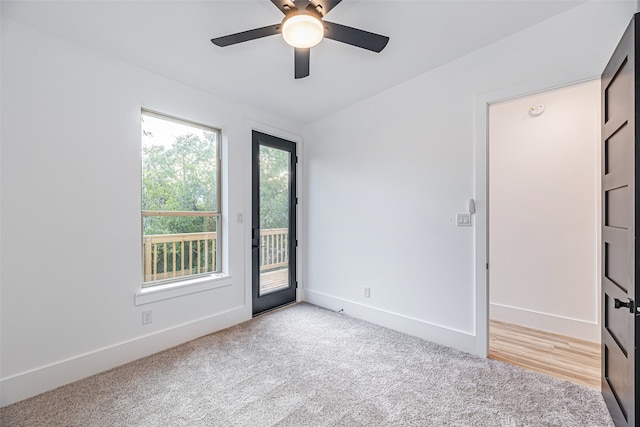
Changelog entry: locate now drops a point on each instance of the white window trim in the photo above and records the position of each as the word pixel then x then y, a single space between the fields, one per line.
pixel 184 287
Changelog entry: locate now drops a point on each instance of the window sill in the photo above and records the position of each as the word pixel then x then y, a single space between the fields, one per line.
pixel 178 289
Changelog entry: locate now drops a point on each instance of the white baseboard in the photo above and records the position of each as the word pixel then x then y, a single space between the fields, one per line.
pixel 441 335
pixel 45 378
pixel 566 326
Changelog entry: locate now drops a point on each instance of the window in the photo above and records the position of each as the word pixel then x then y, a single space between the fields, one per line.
pixel 180 199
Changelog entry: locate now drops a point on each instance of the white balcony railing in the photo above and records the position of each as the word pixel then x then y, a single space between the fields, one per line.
pixel 169 256
pixel 274 248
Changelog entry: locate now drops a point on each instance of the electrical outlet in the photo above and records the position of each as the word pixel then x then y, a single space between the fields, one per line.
pixel 147 317
pixel 463 220
pixel 366 292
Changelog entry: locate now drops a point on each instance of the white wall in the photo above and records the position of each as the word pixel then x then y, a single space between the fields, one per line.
pixel 543 203
pixel 71 247
pixel 385 178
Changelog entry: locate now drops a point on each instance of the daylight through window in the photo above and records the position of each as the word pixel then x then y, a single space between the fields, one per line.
pixel 180 199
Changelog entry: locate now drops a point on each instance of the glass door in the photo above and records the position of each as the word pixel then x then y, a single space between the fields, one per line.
pixel 273 222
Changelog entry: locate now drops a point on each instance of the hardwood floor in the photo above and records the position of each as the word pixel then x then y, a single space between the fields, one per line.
pixel 556 355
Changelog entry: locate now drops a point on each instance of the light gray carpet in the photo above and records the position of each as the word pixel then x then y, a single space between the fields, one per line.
pixel 306 366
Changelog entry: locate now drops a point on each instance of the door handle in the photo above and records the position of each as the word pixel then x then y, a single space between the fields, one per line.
pixel 255 238
pixel 629 304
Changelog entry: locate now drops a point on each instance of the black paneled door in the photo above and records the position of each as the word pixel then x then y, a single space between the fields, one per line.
pixel 621 212
pixel 273 240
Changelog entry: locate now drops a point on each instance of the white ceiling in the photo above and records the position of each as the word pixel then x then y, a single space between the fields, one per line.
pixel 172 38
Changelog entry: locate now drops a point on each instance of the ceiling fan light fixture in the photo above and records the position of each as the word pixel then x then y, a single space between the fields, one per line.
pixel 302 31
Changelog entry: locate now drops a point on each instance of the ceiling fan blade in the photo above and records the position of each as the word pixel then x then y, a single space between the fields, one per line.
pixel 322 6
pixel 355 37
pixel 301 62
pixel 285 6
pixel 245 36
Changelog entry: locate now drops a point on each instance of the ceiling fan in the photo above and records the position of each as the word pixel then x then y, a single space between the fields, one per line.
pixel 303 27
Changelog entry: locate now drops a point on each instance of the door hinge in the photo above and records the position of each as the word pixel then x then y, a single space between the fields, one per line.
pixel 487 266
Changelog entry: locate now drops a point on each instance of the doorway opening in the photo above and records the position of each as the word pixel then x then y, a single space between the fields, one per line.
pixel 543 232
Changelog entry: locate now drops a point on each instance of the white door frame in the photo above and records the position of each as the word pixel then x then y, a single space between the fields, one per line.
pixel 481 118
